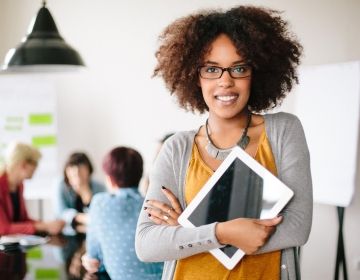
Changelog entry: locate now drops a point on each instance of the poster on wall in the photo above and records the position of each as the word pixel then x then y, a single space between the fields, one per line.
pixel 28 114
pixel 327 101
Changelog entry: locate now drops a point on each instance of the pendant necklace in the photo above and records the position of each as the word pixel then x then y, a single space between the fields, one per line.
pixel 221 154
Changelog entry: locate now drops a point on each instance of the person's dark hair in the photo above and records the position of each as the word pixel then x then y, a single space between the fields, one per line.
pixel 259 34
pixel 124 166
pixel 77 158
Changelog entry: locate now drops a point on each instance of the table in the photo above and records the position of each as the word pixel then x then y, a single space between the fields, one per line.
pixel 59 259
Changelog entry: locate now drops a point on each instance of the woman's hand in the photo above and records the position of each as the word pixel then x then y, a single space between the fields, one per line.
pixel 52 227
pixel 81 218
pixel 163 214
pixel 247 234
pixel 55 227
pixel 90 264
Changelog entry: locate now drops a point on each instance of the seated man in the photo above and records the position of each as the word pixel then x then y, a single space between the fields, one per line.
pixel 20 163
pixel 110 240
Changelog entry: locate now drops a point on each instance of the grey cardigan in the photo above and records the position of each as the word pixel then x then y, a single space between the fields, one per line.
pixel 155 243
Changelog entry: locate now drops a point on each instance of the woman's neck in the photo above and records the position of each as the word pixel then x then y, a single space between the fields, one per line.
pixel 13 179
pixel 221 126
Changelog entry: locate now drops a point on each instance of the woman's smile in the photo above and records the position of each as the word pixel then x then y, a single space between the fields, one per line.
pixel 227 98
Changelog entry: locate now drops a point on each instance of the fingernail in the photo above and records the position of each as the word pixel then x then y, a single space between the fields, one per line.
pixel 149 215
pixel 145 208
pixel 163 187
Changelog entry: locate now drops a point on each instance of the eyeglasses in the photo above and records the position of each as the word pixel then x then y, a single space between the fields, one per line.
pixel 214 72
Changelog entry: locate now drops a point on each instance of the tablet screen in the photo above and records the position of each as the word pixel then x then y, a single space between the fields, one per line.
pixel 238 193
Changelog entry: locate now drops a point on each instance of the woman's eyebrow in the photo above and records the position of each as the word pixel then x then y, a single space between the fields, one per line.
pixel 234 63
pixel 239 62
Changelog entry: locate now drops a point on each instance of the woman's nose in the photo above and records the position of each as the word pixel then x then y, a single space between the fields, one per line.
pixel 225 80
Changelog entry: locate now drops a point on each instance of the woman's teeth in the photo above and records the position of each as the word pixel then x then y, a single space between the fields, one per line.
pixel 226 97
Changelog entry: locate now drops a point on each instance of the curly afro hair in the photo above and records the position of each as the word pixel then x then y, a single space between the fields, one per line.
pixel 259 34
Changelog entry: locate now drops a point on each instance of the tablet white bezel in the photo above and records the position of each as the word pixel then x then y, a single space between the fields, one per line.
pixel 268 179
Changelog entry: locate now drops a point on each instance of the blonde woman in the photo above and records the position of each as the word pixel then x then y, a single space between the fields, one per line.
pixel 21 161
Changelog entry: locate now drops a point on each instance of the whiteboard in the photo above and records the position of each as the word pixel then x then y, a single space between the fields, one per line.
pixel 28 114
pixel 327 103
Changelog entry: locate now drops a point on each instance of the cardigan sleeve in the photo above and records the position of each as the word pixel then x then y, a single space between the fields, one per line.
pixel 14 228
pixel 155 243
pixel 8 227
pixel 293 165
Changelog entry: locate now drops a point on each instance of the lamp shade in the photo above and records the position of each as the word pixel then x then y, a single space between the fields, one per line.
pixel 43 48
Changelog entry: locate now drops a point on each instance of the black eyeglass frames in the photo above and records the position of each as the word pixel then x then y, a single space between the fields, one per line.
pixel 215 72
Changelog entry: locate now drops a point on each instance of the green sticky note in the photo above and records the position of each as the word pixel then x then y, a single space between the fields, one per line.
pixel 40 119
pixel 47 274
pixel 34 253
pixel 44 141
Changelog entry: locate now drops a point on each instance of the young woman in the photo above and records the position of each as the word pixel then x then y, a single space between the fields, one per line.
pixel 21 161
pixel 233 65
pixel 75 192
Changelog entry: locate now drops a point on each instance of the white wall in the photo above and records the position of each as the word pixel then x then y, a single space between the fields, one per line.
pixel 115 102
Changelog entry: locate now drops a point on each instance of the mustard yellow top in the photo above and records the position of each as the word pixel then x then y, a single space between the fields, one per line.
pixel 206 266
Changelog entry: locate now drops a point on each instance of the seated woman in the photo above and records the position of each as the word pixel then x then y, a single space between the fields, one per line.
pixel 111 233
pixel 20 163
pixel 75 192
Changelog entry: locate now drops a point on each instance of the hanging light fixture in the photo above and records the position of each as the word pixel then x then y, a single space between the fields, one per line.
pixel 43 49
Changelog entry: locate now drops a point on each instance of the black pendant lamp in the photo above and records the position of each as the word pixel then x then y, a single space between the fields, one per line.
pixel 43 49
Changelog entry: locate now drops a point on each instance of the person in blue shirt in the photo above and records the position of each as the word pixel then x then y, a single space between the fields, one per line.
pixel 110 240
pixel 75 192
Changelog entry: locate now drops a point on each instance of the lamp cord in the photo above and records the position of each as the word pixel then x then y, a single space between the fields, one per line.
pixel 44 3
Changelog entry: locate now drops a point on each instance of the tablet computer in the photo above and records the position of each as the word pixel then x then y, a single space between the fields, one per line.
pixel 239 188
